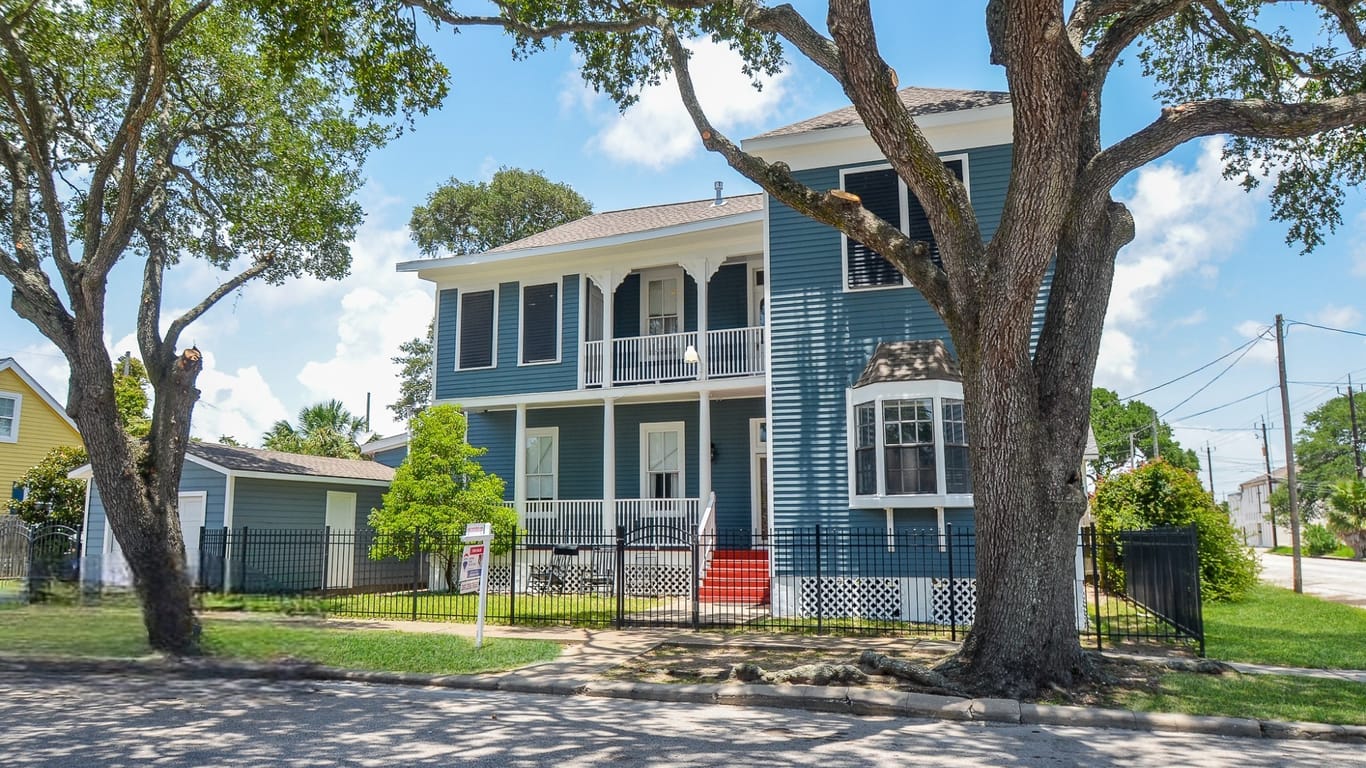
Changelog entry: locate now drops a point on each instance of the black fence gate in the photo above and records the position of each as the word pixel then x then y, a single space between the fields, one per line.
pixel 37 561
pixel 1147 585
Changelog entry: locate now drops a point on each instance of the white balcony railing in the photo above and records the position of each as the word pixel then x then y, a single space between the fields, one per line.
pixel 581 521
pixel 650 359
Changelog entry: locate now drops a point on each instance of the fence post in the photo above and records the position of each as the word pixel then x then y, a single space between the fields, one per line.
pixel 327 551
pixel 953 593
pixel 417 567
pixel 696 581
pixel 820 585
pixel 1095 580
pixel 621 576
pixel 1194 542
pixel 512 579
pixel 242 584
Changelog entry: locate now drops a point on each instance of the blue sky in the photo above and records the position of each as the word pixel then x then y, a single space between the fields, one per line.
pixel 1208 270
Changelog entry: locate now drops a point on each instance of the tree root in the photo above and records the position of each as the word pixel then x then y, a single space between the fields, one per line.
pixel 912 673
pixel 806 674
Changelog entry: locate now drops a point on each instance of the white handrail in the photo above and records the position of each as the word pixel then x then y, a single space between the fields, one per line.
pixel 735 351
pixel 650 359
pixel 706 537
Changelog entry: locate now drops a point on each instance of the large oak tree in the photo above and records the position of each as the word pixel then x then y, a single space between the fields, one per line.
pixel 1292 105
pixel 146 133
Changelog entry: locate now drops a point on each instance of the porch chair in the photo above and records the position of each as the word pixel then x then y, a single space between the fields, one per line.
pixel 555 576
pixel 602 574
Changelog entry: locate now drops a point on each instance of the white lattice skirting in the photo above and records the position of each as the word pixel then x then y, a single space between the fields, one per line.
pixel 922 600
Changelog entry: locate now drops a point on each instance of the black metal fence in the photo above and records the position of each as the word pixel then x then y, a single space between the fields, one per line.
pixel 37 561
pixel 855 581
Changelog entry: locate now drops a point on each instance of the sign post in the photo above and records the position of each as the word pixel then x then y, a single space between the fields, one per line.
pixel 474 571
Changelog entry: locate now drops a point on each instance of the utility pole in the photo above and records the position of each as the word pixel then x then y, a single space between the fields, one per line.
pixel 1289 457
pixel 1266 456
pixel 1209 465
pixel 1157 449
pixel 1352 409
pixel 128 362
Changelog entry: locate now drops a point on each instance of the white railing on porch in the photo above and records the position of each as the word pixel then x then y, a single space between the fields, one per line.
pixel 581 521
pixel 649 359
pixel 706 536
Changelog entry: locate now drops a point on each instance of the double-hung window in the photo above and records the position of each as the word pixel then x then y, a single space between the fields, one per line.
pixel 662 303
pixel 908 445
pixel 885 195
pixel 542 460
pixel 541 323
pixel 957 474
pixel 477 327
pixel 662 460
pixel 9 417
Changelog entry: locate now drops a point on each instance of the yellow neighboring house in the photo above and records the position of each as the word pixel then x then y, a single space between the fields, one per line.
pixel 31 424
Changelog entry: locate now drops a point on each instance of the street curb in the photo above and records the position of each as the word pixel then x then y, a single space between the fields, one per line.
pixel 812 698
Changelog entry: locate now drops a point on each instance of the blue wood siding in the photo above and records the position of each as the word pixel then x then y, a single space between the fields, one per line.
pixel 626 308
pixel 496 431
pixel 580 449
pixel 392 457
pixel 629 419
pixel 730 473
pixel 508 377
pixel 294 504
pixel 728 298
pixel 821 338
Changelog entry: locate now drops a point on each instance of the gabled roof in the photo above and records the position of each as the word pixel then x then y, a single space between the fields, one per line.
pixel 380 444
pixel 10 364
pixel 918 101
pixel 238 459
pixel 633 220
pixel 910 361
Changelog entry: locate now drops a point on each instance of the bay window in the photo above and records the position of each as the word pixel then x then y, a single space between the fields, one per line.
pixel 908 445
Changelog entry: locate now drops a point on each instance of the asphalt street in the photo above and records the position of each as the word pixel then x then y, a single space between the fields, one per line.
pixel 1342 581
pixel 113 720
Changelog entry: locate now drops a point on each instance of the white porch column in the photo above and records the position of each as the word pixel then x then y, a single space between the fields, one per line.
pixel 701 269
pixel 609 464
pixel 609 300
pixel 519 465
pixel 704 446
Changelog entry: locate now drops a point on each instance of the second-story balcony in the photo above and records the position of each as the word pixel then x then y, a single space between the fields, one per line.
pixel 664 357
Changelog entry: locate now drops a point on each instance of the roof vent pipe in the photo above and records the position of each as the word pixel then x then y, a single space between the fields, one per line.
pixel 719 200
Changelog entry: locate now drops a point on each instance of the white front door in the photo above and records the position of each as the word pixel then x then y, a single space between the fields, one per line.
pixel 341 545
pixel 193 507
pixel 758 468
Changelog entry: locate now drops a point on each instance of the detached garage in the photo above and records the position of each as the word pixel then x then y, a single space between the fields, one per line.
pixel 227 488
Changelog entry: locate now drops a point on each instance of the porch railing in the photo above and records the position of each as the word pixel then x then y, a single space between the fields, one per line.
pixel 649 359
pixel 573 521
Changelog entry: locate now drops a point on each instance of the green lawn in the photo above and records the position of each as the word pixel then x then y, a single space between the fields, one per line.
pixel 1276 626
pixel 1264 697
pixel 1342 551
pixel 118 633
pixel 530 610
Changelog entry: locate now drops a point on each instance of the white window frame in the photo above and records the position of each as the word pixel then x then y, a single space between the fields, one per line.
pixel 753 300
pixel 935 389
pixel 903 195
pixel 460 325
pixel 663 426
pixel 661 273
pixel 18 398
pixel 521 322
pixel 554 434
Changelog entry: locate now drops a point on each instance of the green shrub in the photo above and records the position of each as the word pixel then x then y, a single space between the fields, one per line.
pixel 1159 494
pixel 1319 541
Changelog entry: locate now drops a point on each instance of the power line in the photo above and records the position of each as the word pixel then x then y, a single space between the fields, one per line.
pixel 1326 328
pixel 1230 353
pixel 1225 405
pixel 1218 376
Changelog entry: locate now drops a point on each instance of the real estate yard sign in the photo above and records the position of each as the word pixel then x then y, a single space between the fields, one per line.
pixel 474 571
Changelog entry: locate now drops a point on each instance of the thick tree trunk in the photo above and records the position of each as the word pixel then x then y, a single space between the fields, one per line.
pixel 139 486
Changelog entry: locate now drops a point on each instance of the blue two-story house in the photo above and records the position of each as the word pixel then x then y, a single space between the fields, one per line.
pixel 725 364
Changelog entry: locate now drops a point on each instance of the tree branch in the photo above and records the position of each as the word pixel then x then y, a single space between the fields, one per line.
pixel 784 20
pixel 1135 18
pixel 236 281
pixel 1252 118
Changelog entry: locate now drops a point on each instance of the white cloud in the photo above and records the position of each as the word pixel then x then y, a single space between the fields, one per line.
pixel 1117 365
pixel 239 403
pixel 656 131
pixel 1337 316
pixel 1264 350
pixel 1194 318
pixel 46 364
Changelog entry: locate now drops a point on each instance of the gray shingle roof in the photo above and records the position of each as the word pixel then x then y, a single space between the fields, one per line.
pixel 278 462
pixel 633 220
pixel 910 361
pixel 918 101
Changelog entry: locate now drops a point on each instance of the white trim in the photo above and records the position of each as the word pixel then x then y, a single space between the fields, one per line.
pixel 84 472
pixel 768 367
pixel 662 273
pixel 18 398
pixel 937 390
pixel 582 334
pixel 460 327
pixel 554 434
pixel 559 322
pixel 85 533
pixel 647 427
pixel 757 448
pixel 684 391
pixel 425 265
pixel 229 500
pixel 752 317
pixel 385 444
pixel 9 364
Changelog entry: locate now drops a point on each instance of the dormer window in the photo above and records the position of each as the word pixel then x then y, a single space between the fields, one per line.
pixel 908 430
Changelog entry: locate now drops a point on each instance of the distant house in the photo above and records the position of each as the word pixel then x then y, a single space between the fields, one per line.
pixel 389 451
pixel 1250 510
pixel 233 488
pixel 32 423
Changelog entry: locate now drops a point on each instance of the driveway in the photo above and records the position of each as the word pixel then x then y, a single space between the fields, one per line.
pixel 91 721
pixel 1342 581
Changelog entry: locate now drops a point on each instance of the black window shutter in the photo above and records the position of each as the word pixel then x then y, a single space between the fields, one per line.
pixel 540 322
pixel 880 193
pixel 919 228
pixel 476 330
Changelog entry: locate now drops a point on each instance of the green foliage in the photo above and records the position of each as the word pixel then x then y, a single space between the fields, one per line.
pixel 130 396
pixel 324 429
pixel 1319 541
pixel 415 378
pixel 1113 422
pixel 439 489
pixel 1347 514
pixel 471 217
pixel 51 496
pixel 1159 494
pixel 1323 448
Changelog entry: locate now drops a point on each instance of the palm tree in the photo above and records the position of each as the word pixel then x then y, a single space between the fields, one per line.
pixel 1347 514
pixel 324 429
